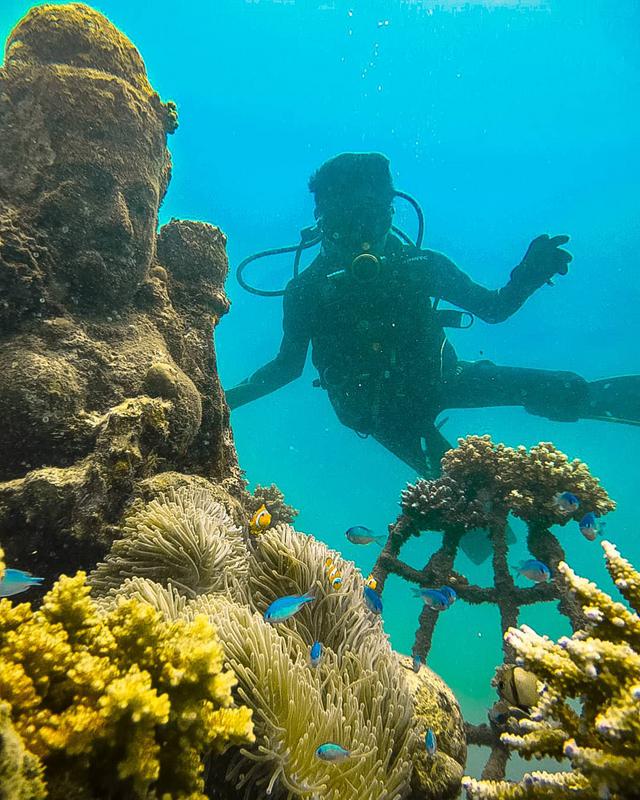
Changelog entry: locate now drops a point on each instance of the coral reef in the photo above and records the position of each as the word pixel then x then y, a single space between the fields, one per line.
pixel 481 479
pixel 107 363
pixel 21 773
pixel 443 502
pixel 273 499
pixel 360 695
pixel 116 702
pixel 481 484
pixel 599 668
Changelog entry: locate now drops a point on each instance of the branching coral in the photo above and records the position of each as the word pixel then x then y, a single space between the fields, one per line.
pixel 481 478
pixel 273 499
pixel 599 666
pixel 117 702
pixel 481 484
pixel 184 536
pixel 441 503
pixel 358 696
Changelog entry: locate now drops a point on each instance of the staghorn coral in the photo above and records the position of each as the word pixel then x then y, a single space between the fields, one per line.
pixel 116 702
pixel 359 695
pixel 184 537
pixel 599 666
pixel 273 499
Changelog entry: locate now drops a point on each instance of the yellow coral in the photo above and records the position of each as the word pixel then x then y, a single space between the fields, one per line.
pixel 599 666
pixel 20 770
pixel 116 701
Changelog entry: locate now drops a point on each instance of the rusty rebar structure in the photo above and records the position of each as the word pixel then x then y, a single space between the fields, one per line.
pixel 481 484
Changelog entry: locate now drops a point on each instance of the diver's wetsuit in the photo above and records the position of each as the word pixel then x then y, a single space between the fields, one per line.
pixel 383 357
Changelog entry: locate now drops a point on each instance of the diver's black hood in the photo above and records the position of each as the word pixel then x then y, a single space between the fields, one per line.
pixel 350 178
pixel 354 194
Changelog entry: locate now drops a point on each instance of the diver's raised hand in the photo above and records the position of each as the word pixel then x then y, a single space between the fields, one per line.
pixel 543 259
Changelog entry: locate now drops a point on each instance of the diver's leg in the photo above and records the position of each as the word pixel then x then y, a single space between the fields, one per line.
pixel 562 396
pixel 420 448
pixel 556 395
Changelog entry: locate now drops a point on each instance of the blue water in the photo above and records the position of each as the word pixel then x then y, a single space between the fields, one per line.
pixel 506 120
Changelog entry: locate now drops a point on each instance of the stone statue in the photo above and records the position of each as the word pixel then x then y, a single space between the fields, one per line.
pixel 108 381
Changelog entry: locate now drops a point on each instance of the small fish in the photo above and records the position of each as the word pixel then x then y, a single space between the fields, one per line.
pixel 416 664
pixel 502 711
pixel 359 534
pixel 590 527
pixel 333 573
pixel 373 601
pixel 329 751
pixel 499 713
pixel 260 521
pixel 433 599
pixel 565 502
pixel 15 581
pixel 371 582
pixel 430 742
pixel 518 687
pixel 449 593
pixel 316 654
pixel 534 570
pixel 285 607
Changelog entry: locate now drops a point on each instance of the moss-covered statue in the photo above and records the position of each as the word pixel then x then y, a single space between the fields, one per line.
pixel 107 366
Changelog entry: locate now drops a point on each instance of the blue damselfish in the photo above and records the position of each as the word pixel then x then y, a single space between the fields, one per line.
pixel 285 607
pixel 15 581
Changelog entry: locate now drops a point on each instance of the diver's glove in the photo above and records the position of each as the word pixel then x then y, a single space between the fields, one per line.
pixel 544 259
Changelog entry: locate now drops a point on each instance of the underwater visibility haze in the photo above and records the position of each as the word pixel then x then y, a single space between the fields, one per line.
pixel 498 136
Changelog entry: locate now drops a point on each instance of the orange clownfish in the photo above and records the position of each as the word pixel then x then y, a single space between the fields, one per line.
pixel 371 582
pixel 333 573
pixel 260 521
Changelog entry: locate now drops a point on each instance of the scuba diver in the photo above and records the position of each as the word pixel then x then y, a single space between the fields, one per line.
pixel 368 304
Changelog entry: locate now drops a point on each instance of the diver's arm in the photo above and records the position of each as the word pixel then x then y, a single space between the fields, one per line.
pixel 542 261
pixel 286 366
